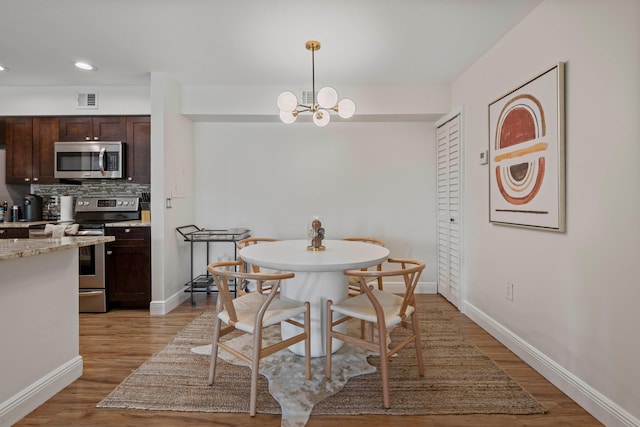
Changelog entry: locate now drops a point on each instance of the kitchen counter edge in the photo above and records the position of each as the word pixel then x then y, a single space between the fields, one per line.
pixel 22 248
pixel 132 223
pixel 24 224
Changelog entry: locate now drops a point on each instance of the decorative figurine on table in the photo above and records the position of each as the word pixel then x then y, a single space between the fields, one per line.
pixel 316 235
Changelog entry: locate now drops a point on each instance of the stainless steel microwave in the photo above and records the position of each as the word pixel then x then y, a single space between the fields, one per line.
pixel 93 159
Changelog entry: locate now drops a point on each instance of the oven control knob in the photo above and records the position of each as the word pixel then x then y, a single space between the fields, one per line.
pixel 119 202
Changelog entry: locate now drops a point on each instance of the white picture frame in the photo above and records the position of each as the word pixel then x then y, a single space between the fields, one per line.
pixel 527 154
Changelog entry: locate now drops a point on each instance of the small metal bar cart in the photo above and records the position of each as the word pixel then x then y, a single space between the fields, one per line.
pixel 194 234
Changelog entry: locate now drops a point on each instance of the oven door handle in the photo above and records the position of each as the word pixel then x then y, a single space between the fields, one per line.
pixel 101 160
pixel 90 293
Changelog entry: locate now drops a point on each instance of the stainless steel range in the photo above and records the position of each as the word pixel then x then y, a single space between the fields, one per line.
pixel 92 213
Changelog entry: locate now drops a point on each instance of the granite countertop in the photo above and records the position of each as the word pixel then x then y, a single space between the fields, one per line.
pixel 134 223
pixel 24 224
pixel 19 248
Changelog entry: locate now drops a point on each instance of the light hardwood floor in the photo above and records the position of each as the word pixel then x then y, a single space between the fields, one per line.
pixel 115 343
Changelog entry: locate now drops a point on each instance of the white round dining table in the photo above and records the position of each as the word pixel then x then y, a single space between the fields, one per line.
pixel 318 278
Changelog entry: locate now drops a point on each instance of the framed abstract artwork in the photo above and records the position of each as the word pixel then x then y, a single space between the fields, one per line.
pixel 527 154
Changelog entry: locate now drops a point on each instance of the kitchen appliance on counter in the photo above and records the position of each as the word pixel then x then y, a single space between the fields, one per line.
pixel 66 208
pixel 92 213
pixel 93 159
pixel 15 213
pixel 32 208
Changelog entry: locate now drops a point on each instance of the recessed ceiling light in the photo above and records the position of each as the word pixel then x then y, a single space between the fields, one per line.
pixel 3 68
pixel 85 66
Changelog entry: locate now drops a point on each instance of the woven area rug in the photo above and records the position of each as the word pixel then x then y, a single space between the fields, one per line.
pixel 459 379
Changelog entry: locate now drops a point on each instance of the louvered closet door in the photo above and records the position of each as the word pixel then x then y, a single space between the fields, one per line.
pixel 448 205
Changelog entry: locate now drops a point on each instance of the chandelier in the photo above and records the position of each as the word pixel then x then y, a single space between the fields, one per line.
pixel 321 105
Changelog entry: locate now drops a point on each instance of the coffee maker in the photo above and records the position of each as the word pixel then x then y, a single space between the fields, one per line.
pixel 32 208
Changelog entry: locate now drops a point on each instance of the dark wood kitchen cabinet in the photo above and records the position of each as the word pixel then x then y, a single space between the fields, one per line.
pixel 19 135
pixel 29 154
pixel 14 233
pixel 128 263
pixel 138 149
pixel 3 123
pixel 45 134
pixel 98 128
pixel 30 144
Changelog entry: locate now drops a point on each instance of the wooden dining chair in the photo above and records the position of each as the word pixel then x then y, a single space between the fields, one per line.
pixel 251 313
pixel 354 284
pixel 251 285
pixel 383 309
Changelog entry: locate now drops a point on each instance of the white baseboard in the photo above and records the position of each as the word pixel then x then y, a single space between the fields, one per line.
pixel 422 288
pixel 590 399
pixel 24 402
pixel 160 308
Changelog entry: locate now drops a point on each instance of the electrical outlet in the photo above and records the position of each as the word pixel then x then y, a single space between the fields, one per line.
pixel 509 294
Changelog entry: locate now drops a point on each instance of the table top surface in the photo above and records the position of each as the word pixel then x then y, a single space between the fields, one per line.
pixel 292 255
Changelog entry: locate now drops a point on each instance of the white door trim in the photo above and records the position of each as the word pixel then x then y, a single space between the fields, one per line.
pixel 459 111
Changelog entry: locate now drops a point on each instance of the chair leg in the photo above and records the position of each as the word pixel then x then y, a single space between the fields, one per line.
pixel 370 328
pixel 255 370
pixel 307 341
pixel 329 338
pixel 418 342
pixel 214 349
pixel 384 363
pixel 254 387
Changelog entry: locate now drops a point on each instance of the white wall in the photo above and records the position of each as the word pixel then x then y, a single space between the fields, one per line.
pixel 368 179
pixel 62 100
pixel 575 310
pixel 245 101
pixel 171 179
pixel 40 352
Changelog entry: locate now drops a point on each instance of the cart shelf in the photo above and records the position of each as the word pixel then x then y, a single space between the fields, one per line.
pixel 194 234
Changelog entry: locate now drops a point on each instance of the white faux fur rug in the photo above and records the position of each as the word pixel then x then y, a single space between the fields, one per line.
pixel 285 372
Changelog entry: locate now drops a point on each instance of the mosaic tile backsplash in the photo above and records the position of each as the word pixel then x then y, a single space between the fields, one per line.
pixel 93 188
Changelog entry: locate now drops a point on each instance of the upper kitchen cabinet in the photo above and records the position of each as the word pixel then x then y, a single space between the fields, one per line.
pixel 30 149
pixel 3 123
pixel 138 149
pixel 45 134
pixel 98 128
pixel 30 144
pixel 19 137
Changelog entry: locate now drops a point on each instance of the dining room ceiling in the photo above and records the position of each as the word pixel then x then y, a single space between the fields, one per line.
pixel 249 42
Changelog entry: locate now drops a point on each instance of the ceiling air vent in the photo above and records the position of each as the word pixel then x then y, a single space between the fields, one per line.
pixel 88 100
